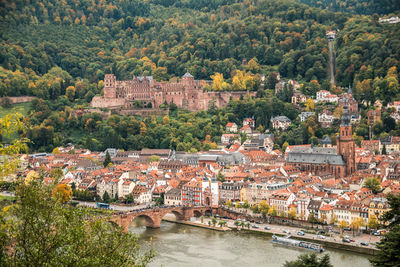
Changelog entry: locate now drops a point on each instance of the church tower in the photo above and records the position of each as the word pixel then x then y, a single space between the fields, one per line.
pixel 345 145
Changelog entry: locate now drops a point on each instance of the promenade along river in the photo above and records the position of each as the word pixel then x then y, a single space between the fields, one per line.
pixel 181 245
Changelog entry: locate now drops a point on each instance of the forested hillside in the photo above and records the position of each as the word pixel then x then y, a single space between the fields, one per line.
pixel 60 50
pixel 367 7
pixel 90 38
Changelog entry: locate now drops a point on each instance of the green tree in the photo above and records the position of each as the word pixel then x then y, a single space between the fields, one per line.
pixel 154 158
pixel 372 183
pixel 128 199
pixel 384 149
pixel 213 221
pixel 393 215
pixel 41 231
pixel 107 159
pixel 221 177
pixel 106 197
pixel 311 219
pixel 310 260
pixel 389 245
pixel 388 249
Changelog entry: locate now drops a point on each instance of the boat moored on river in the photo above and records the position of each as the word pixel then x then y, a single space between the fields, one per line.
pixel 287 241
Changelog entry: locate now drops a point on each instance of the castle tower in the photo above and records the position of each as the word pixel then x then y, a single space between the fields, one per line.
pixel 110 86
pixel 187 78
pixel 345 144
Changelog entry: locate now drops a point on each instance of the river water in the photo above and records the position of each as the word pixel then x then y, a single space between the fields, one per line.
pixel 182 245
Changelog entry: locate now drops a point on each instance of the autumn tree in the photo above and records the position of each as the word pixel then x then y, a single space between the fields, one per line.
pixel 62 192
pixel 372 222
pixel 39 230
pixel 309 105
pixel 10 125
pixel 343 224
pixel 292 214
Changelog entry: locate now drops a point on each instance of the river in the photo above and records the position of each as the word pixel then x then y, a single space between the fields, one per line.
pixel 181 245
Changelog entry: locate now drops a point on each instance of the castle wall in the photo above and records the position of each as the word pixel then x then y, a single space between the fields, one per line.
pixel 101 102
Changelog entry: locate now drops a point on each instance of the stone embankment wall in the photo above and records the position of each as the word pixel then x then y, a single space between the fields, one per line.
pixel 18 99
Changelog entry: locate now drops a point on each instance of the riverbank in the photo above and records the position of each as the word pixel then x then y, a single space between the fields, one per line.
pixel 370 251
pixel 327 244
pixel 196 224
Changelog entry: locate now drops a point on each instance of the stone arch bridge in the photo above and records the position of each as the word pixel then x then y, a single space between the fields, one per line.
pixel 154 216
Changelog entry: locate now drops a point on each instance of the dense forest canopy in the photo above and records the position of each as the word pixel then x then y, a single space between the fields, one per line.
pixel 357 6
pixel 60 50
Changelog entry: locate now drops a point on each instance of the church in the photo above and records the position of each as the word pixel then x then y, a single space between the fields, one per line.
pixel 339 161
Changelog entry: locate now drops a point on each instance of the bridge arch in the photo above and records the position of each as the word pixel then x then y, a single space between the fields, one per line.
pixel 178 215
pixel 150 222
pixel 197 213
pixel 208 212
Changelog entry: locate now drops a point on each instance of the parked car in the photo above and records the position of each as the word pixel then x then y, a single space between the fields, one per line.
pixel 255 226
pixel 320 236
pixel 345 240
pixel 267 228
pixel 300 233
pixel 286 231
pixel 363 243
pixel 352 240
pixel 347 229
pixel 377 233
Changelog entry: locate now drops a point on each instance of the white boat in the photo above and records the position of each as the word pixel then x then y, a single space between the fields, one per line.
pixel 287 241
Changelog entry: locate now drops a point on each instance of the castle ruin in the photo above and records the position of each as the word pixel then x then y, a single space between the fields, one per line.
pixel 187 93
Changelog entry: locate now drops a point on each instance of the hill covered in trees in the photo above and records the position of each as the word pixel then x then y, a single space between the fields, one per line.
pixel 60 50
pixel 367 7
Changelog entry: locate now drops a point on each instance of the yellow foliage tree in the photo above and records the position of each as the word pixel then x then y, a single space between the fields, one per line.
pixel 372 222
pixel 218 83
pixel 9 125
pixel 32 175
pixel 56 151
pixel 166 120
pixel 143 129
pixel 292 214
pixel 310 105
pixel 343 224
pixel 338 112
pixel 70 93
pixel 63 192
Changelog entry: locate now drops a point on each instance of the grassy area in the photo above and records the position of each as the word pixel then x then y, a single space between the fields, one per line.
pixel 6 198
pixel 22 108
